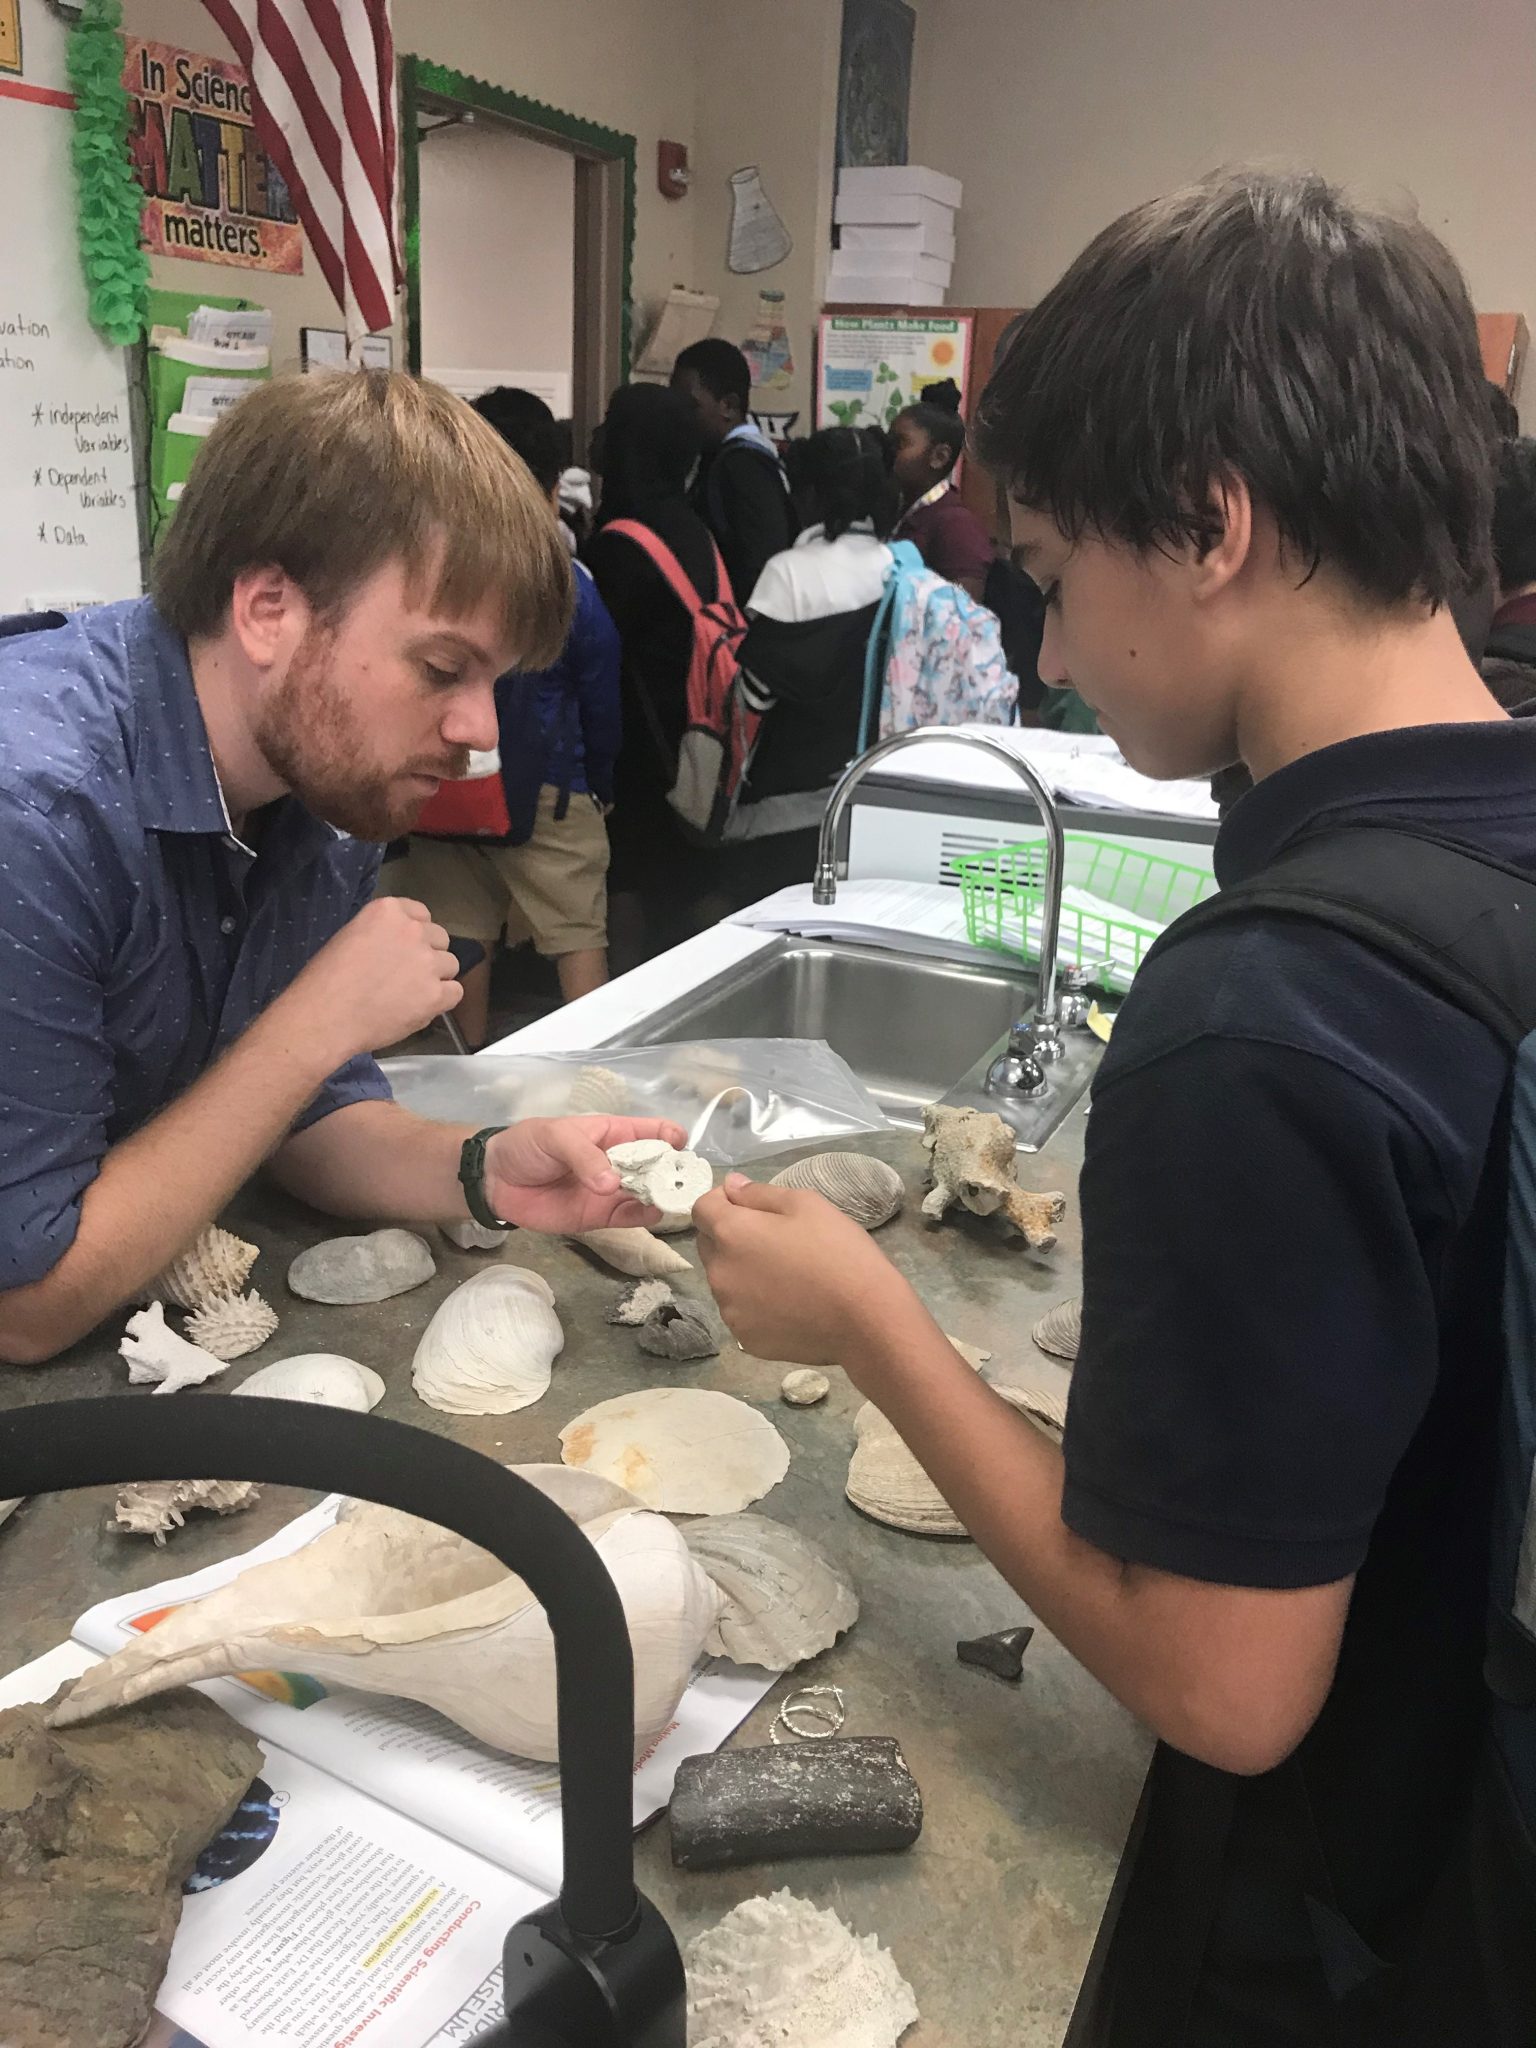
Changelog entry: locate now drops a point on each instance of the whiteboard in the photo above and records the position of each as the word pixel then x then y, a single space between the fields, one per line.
pixel 69 527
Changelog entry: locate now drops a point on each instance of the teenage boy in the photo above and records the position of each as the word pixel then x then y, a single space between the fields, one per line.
pixel 1247 441
pixel 192 977
pixel 741 492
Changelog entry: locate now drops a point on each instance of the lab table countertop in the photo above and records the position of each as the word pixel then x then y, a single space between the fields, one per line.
pixel 1028 1788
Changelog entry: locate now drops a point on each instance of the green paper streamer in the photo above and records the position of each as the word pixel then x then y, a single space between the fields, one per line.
pixel 108 201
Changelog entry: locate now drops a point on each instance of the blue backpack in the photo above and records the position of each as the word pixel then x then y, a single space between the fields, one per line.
pixel 935 656
pixel 1466 926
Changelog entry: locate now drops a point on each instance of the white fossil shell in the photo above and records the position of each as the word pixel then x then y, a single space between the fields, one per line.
pixel 232 1325
pixel 1045 1409
pixel 324 1378
pixel 863 1187
pixel 636 1252
pixel 671 1181
pixel 369 1268
pixel 154 1507
pixel 490 1347
pixel 779 1970
pixel 471 1236
pixel 216 1263
pixel 888 1484
pixel 784 1600
pixel 9 1507
pixel 803 1387
pixel 685 1450
pixel 639 1301
pixel 598 1091
pixel 155 1353
pixel 1060 1330
pixel 388 1604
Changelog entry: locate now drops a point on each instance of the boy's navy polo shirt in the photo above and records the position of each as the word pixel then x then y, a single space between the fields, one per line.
pixel 138 936
pixel 1292 1271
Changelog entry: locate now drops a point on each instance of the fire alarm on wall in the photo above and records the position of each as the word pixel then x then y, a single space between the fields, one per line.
pixel 672 172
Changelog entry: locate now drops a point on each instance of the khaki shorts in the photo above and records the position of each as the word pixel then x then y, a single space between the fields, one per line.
pixel 553 890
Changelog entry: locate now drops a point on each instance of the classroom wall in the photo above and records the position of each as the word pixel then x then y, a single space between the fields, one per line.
pixel 498 225
pixel 1059 117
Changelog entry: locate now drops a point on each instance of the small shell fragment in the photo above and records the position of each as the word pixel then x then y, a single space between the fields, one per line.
pixel 471 1236
pixel 215 1263
pixel 1060 1330
pixel 803 1387
pixel 634 1251
pixel 671 1181
pixel 781 1970
pixel 323 1378
pixel 861 1186
pixel 598 1091
pixel 683 1450
pixel 347 1270
pixel 232 1325
pixel 640 1301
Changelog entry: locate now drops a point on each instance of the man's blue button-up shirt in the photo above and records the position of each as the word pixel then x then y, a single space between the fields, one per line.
pixel 138 935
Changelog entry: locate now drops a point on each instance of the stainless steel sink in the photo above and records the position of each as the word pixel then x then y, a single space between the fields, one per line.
pixel 914 1030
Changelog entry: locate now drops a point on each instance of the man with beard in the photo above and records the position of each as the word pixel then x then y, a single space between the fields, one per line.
pixel 193 975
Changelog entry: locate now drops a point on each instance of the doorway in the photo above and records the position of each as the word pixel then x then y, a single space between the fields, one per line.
pixel 532 287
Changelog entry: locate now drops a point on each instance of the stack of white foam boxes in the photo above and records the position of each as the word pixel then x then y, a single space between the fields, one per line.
pixel 897 236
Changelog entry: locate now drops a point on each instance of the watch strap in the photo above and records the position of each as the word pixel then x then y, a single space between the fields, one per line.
pixel 472 1178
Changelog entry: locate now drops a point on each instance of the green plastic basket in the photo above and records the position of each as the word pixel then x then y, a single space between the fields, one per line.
pixel 1003 892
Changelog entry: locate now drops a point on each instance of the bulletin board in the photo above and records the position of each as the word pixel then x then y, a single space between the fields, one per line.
pixel 69 523
pixel 870 365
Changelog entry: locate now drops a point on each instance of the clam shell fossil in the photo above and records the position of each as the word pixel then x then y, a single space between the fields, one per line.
pixel 640 1301
pixel 804 1387
pixel 388 1604
pixel 347 1270
pixel 232 1325
pixel 861 1186
pixel 680 1329
pixel 156 1354
pixel 684 1450
pixel 780 1970
pixel 598 1091
pixel 785 1600
pixel 471 1236
pixel 1060 1330
pixel 639 1253
pixel 215 1263
pixel 491 1346
pixel 154 1507
pixel 887 1483
pixel 324 1378
pixel 671 1181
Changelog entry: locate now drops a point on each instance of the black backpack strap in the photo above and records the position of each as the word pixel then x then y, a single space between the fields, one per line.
pixel 1462 922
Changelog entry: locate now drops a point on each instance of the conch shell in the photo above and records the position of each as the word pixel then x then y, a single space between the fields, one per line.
pixel 216 1263
pixel 861 1186
pixel 636 1252
pixel 973 1161
pixel 785 1600
pixel 388 1604
pixel 232 1325
pixel 491 1346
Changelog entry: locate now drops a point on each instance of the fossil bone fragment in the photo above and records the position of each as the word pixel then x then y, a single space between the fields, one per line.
pixel 804 1387
pixel 388 1604
pixel 785 1600
pixel 972 1162
pixel 863 1187
pixel 155 1353
pixel 491 1346
pixel 637 1252
pixel 214 1264
pixel 372 1267
pixel 232 1325
pixel 1060 1330
pixel 154 1507
pixel 684 1450
pixel 671 1181
pixel 779 1970
pixel 323 1378
pixel 680 1329
pixel 640 1301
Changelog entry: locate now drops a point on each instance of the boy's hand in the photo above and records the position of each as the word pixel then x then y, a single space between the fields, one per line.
pixel 794 1277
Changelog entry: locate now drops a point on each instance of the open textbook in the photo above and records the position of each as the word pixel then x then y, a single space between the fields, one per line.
pixel 360 1896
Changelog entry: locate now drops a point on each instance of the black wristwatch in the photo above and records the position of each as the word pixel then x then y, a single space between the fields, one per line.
pixel 472 1178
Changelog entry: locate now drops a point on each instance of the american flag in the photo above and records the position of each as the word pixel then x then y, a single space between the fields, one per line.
pixel 323 85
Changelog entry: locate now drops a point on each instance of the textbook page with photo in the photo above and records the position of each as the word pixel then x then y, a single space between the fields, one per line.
pixel 388 1850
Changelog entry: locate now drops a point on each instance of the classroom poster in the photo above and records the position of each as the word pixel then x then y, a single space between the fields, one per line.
pixel 211 191
pixel 10 37
pixel 868 366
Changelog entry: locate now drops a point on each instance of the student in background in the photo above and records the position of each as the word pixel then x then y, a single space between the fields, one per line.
pixel 926 441
pixel 1509 664
pixel 544 874
pixel 741 490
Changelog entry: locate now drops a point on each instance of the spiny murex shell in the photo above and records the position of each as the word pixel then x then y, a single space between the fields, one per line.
pixel 389 1604
pixel 323 1378
pixel 634 1251
pixel 154 1507
pixel 155 1353
pixel 671 1181
pixel 861 1186
pixel 491 1346
pixel 369 1268
pixel 684 1450
pixel 778 1972
pixel 784 1600
pixel 232 1325
pixel 215 1263
pixel 973 1161
pixel 1060 1330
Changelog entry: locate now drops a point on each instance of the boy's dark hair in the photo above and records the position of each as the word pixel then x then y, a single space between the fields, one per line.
pixel 721 368
pixel 1258 325
pixel 651 441
pixel 1505 415
pixel 1514 515
pixel 528 427
pixel 937 412
pixel 841 479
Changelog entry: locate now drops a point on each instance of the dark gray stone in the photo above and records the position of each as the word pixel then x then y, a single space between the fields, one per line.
pixel 844 1795
pixel 1002 1654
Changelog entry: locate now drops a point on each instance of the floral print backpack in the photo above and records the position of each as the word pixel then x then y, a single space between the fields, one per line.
pixel 935 656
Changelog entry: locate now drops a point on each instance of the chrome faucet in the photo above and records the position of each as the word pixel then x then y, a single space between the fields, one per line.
pixel 1034 1043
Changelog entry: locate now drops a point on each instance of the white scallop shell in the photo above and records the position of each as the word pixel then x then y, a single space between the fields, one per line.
pixel 1060 1330
pixel 671 1181
pixel 491 1346
pixel 598 1091
pixel 861 1186
pixel 215 1263
pixel 323 1378
pixel 685 1450
pixel 636 1252
pixel 348 1270
pixel 780 1970
pixel 784 1600
pixel 232 1325
pixel 388 1604
pixel 888 1484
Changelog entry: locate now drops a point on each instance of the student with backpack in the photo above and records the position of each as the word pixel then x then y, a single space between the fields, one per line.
pixel 927 440
pixel 741 491
pixel 1291 1523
